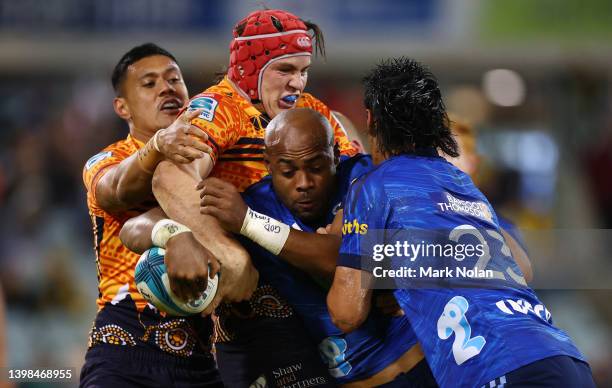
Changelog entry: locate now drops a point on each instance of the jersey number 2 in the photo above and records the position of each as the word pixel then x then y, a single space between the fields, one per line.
pixel 453 320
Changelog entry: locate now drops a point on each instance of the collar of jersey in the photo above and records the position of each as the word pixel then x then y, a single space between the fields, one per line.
pixel 137 143
pixel 245 104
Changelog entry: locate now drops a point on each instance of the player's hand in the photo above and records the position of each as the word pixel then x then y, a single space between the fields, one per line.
pixel 187 264
pixel 387 304
pixel 222 200
pixel 237 282
pixel 182 142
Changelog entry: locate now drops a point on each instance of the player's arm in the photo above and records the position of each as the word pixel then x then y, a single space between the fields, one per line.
pixel 350 297
pixel 128 183
pixel 222 201
pixel 519 255
pixel 175 190
pixel 187 261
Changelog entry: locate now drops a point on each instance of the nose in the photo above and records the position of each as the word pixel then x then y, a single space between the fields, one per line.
pixel 167 87
pixel 304 181
pixel 297 82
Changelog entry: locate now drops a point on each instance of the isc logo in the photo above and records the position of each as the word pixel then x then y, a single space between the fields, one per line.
pixel 354 227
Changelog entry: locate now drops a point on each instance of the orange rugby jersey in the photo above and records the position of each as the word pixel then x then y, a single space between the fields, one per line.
pixel 115 263
pixel 236 132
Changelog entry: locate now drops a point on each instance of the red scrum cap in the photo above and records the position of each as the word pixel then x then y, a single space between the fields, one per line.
pixel 260 38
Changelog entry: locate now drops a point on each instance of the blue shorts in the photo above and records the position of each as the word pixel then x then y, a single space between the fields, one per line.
pixel 120 366
pixel 558 371
pixel 271 352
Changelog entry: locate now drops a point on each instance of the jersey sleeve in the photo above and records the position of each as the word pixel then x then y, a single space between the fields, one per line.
pixel 94 170
pixel 344 144
pixel 365 214
pixel 220 119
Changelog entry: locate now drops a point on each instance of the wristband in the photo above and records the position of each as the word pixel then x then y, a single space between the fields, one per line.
pixel 164 230
pixel 271 234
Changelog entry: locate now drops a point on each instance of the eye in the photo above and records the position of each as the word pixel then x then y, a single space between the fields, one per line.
pixel 175 80
pixel 304 73
pixel 148 84
pixel 288 173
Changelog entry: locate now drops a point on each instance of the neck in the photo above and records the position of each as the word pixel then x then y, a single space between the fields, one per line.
pixel 140 135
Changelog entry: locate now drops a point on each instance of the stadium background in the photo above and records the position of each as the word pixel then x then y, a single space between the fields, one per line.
pixel 534 77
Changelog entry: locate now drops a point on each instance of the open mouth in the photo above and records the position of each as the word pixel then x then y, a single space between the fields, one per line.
pixel 288 101
pixel 171 106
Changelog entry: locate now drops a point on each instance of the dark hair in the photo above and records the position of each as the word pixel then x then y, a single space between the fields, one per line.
pixel 132 56
pixel 407 108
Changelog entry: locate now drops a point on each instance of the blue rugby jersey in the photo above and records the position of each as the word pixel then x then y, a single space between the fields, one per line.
pixel 349 357
pixel 472 328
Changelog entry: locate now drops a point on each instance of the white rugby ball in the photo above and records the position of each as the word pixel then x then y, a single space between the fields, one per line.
pixel 153 284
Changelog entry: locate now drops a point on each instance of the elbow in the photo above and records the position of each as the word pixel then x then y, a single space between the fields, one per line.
pixel 343 317
pixel 129 236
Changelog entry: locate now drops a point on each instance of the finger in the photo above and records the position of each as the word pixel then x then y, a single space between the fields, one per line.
pixel 201 283
pixel 215 267
pixel 198 144
pixel 176 158
pixel 189 114
pixel 178 290
pixel 209 200
pixel 200 185
pixel 189 153
pixel 197 132
pixel 213 190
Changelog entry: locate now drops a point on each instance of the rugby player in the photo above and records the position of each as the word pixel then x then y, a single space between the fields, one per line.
pixel 131 343
pixel 269 60
pixel 475 331
pixel 270 55
pixel 305 188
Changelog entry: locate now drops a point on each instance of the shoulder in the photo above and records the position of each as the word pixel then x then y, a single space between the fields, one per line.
pixel 114 152
pixel 307 100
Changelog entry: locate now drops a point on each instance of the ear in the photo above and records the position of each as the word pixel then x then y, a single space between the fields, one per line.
pixel 369 119
pixel 122 108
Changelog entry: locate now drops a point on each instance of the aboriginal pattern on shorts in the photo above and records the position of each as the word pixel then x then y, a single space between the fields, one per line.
pixel 175 337
pixel 266 302
pixel 122 325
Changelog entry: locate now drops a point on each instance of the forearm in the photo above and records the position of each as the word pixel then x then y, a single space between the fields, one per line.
pixel 349 299
pixel 128 183
pixel 175 190
pixel 298 251
pixel 136 232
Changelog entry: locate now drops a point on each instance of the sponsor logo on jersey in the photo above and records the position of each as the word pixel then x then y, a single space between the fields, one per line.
pixel 97 158
pixel 521 306
pixel 209 104
pixel 354 226
pixel 450 203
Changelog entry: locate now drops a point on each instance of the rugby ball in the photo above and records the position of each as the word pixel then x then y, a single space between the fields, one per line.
pixel 153 284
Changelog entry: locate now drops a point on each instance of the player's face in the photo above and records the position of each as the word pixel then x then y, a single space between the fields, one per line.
pixel 282 79
pixel 154 92
pixel 303 177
